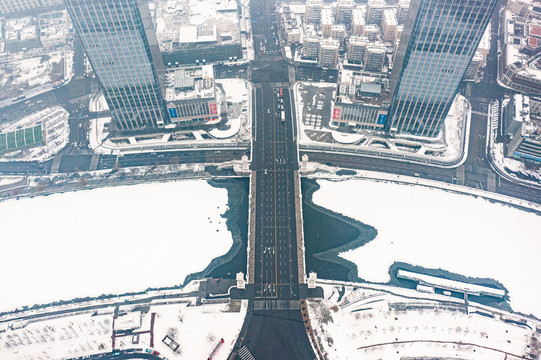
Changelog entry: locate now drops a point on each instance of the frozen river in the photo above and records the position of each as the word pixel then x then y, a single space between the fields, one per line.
pixel 441 230
pixel 109 240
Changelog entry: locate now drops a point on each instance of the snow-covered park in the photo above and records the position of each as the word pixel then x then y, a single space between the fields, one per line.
pixel 437 229
pixel 109 240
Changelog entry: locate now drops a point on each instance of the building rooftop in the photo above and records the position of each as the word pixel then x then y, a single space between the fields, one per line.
pixel 190 83
pixel 180 22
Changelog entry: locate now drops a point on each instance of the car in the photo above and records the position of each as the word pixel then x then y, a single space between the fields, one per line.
pixel 148 351
pixel 155 352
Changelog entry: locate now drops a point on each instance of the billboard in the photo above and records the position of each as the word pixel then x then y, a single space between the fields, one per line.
pixel 336 113
pixel 173 113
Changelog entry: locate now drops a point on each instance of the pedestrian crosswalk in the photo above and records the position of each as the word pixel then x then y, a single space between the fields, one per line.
pixel 245 354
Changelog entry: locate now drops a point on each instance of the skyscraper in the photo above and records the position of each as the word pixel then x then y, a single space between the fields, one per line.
pixel 439 40
pixel 119 39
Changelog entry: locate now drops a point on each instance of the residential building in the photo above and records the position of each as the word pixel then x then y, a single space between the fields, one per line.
pixel 14 6
pixel 402 11
pixel 357 49
pixel 389 25
pixel 338 32
pixel 310 48
pixel 327 21
pixel 358 22
pixel 328 53
pixel 438 44
pixel 344 9
pixel 374 11
pixel 375 57
pixel 313 11
pixel 125 57
pixel 372 32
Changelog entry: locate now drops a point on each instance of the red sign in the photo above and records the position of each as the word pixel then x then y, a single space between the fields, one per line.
pixel 213 109
pixel 336 114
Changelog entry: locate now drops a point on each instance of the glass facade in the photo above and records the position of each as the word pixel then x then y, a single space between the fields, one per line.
pixel 432 59
pixel 121 44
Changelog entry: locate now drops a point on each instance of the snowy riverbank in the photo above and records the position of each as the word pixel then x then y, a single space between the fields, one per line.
pixel 109 240
pixel 437 229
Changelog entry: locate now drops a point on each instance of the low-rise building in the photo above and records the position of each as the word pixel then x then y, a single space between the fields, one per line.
pixel 521 133
pixel 294 35
pixel 14 6
pixel 519 67
pixel 360 102
pixel 474 67
pixel 53 28
pixel 191 95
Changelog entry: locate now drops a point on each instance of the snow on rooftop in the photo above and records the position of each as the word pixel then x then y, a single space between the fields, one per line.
pixel 109 240
pixel 437 229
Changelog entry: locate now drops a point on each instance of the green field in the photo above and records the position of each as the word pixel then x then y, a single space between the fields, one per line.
pixel 21 138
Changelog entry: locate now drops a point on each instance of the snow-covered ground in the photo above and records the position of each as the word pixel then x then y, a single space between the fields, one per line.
pixel 382 323
pixel 196 329
pixel 437 229
pixel 109 240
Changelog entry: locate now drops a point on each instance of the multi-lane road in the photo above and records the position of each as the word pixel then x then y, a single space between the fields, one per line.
pixel 274 162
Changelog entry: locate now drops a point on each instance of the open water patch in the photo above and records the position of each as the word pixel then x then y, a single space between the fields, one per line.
pixel 235 260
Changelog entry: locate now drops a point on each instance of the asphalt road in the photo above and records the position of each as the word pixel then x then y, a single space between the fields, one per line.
pixel 274 161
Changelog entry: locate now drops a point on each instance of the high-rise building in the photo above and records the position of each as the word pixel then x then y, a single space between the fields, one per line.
pixel 328 53
pixel 359 21
pixel 402 11
pixel 310 48
pixel 338 32
pixel 389 25
pixel 327 22
pixel 374 11
pixel 344 9
pixel 120 42
pixel 357 49
pixel 13 6
pixel 374 58
pixel 438 42
pixel 312 13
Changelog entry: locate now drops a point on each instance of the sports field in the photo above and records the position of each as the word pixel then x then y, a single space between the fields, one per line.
pixel 21 138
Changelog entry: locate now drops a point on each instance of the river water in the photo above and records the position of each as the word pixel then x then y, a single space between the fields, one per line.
pixel 326 234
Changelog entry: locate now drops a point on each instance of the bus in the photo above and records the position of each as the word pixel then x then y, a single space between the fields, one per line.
pixel 283 116
pixel 281 92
